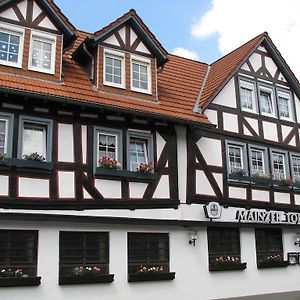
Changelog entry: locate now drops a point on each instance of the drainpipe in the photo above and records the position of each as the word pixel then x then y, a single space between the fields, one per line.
pixel 92 59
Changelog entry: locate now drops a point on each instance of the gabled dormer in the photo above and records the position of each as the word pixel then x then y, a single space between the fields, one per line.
pixel 33 35
pixel 123 58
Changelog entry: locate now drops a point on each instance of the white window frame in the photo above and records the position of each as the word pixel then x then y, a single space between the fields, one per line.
pixel 269 90
pixel 37 121
pixel 20 32
pixel 243 148
pixel 114 55
pixel 8 118
pixel 47 38
pixel 286 165
pixel 292 155
pixel 249 85
pixel 265 159
pixel 147 63
pixel 288 96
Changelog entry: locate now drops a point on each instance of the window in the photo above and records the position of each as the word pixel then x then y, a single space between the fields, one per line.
pixel 266 101
pixel 140 149
pixel 83 253
pixel 258 161
pixel 18 252
pixel 268 246
pixel 114 68
pixel 224 248
pixel 279 165
pixel 36 136
pixel 295 160
pixel 141 74
pixel 11 45
pixel 236 157
pixel 6 130
pixel 247 96
pixel 284 105
pixel 42 53
pixel 148 252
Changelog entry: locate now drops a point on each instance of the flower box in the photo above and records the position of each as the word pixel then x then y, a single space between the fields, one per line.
pixel 272 264
pixel 239 178
pixel 227 266
pixel 296 185
pixel 261 181
pixel 19 281
pixel 131 175
pixel 4 166
pixel 151 276
pixel 281 185
pixel 86 279
pixel 30 164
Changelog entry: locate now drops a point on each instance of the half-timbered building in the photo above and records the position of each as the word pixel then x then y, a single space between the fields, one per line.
pixel 127 172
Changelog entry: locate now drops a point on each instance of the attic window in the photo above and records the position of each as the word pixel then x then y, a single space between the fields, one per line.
pixel 247 95
pixel 42 53
pixel 114 68
pixel 284 105
pixel 141 75
pixel 266 101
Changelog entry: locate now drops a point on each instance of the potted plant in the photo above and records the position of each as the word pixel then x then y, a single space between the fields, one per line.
pixel 239 175
pixel 226 263
pixel 285 183
pixel 264 179
pixel 146 168
pixel 16 277
pixel 107 163
pixel 272 261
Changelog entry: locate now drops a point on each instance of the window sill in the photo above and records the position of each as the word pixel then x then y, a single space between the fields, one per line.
pixel 272 264
pixel 19 281
pixel 227 267
pixel 30 165
pixel 86 279
pixel 150 276
pixel 130 175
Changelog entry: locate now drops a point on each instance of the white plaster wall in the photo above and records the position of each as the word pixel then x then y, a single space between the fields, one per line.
pixel 285 131
pixel 270 131
pixel 282 198
pixel 245 67
pixel 108 188
pixel 255 60
pixel 227 96
pixel 66 184
pixel 9 14
pixel 211 150
pixel 137 189
pixel 230 122
pixel 212 116
pixel 163 188
pixel 4 185
pixel 160 144
pixel 253 123
pixel 202 184
pixel 84 143
pixel 238 193
pixel 112 40
pixel 297 199
pixel 32 187
pixel 260 195
pixel 270 66
pixel 190 264
pixel 65 143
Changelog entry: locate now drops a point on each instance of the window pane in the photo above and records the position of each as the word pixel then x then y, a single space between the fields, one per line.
pixel 257 162
pixel 3 124
pixel 107 146
pixel 140 76
pixel 283 106
pixel 296 167
pixel 41 54
pixel 235 158
pixel 113 70
pixel 266 102
pixel 9 47
pixel 138 153
pixel 278 161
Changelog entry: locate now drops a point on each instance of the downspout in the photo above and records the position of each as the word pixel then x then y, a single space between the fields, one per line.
pixel 92 60
pixel 197 109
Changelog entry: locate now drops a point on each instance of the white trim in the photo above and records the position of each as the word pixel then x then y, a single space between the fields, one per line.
pixel 147 63
pixel 116 148
pixel 114 55
pixel 48 38
pixel 20 32
pixel 5 133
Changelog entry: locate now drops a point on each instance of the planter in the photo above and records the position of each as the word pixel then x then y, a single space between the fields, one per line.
pixel 272 264
pixel 4 166
pixel 227 266
pixel 126 174
pixel 86 279
pixel 149 276
pixel 262 181
pixel 19 281
pixel 30 164
pixel 280 185
pixel 296 186
pixel 239 179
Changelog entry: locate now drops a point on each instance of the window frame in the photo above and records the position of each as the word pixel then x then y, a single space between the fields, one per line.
pixel 265 158
pixel 243 152
pixel 114 55
pixel 297 155
pixel 9 118
pixel 20 32
pixel 270 90
pixel 288 93
pixel 140 135
pixel 108 131
pixel 37 121
pixel 247 83
pixel 144 62
pixel 286 162
pixel 47 38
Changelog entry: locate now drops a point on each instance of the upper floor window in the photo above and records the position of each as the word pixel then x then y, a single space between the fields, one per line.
pixel 114 68
pixel 247 94
pixel 295 160
pixel 258 161
pixel 236 157
pixel 279 165
pixel 6 128
pixel 266 101
pixel 11 45
pixel 141 74
pixel 42 53
pixel 36 136
pixel 284 105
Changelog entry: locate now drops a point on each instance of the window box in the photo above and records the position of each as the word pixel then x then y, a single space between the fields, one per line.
pixel 151 276
pixel 281 185
pixel 272 264
pixel 4 166
pixel 227 266
pixel 262 181
pixel 30 164
pixel 126 174
pixel 239 179
pixel 86 279
pixel 19 281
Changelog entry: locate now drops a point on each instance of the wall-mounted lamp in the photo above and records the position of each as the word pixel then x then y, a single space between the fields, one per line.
pixel 193 237
pixel 297 242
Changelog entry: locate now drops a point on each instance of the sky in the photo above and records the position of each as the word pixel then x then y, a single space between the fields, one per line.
pixel 202 30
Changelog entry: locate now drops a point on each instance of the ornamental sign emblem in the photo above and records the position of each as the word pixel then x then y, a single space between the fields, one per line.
pixel 213 210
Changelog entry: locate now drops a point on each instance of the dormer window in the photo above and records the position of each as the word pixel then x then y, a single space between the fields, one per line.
pixel 284 105
pixel 11 46
pixel 42 53
pixel 141 74
pixel 114 68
